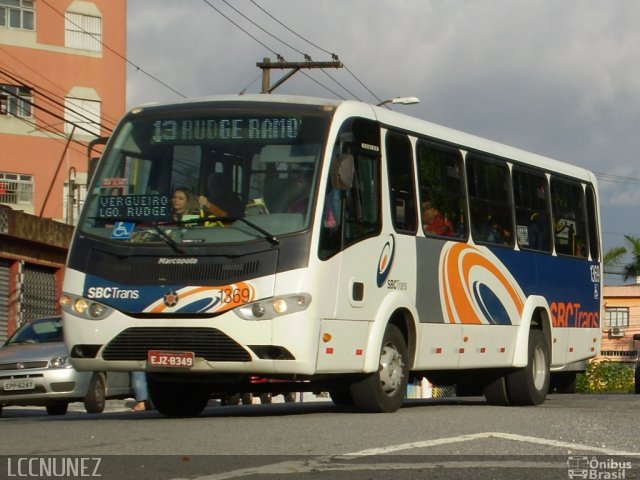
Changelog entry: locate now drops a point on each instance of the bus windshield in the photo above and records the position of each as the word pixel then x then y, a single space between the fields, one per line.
pixel 200 175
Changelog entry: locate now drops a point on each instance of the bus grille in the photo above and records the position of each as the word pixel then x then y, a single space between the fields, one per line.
pixel 136 273
pixel 208 343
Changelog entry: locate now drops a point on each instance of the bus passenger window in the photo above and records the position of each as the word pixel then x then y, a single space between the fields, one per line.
pixel 401 183
pixel 489 200
pixel 531 200
pixel 570 233
pixel 442 193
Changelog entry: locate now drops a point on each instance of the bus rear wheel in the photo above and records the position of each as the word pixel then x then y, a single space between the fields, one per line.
pixel 384 391
pixel 530 385
pixel 177 399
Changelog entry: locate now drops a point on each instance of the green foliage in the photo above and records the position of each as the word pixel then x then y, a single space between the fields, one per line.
pixel 606 377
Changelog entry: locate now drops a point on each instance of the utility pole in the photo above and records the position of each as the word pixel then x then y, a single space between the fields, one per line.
pixel 294 67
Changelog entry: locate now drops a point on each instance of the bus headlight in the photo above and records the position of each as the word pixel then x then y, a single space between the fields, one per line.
pixel 83 307
pixel 274 307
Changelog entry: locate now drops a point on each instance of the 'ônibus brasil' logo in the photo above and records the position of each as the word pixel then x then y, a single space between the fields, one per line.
pixel 386 260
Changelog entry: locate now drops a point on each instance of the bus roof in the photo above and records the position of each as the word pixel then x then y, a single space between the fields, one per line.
pixel 401 121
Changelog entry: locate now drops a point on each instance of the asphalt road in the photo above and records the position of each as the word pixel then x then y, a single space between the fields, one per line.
pixel 569 436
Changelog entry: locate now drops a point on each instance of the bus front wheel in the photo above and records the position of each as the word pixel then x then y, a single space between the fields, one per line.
pixel 384 391
pixel 174 399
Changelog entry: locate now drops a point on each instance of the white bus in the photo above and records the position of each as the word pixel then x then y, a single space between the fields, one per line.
pixel 344 248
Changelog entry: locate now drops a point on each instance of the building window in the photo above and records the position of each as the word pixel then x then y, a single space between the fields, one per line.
pixel 18 14
pixel 16 189
pixel 16 101
pixel 616 317
pixel 83 32
pixel 84 114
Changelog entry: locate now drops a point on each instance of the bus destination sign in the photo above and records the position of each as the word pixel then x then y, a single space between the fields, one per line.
pixel 228 129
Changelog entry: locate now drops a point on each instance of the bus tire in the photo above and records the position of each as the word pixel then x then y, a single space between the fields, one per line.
pixel 530 385
pixel 385 390
pixel 342 397
pixel 564 382
pixel 174 399
pixel 495 392
pixel 96 398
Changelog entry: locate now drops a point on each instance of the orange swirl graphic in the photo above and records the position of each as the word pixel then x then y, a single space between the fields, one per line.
pixel 229 296
pixel 461 267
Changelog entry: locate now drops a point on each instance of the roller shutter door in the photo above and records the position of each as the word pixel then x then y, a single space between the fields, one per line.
pixel 38 292
pixel 4 299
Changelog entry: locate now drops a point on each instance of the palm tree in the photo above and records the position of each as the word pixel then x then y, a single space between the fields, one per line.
pixel 614 256
pixel 632 269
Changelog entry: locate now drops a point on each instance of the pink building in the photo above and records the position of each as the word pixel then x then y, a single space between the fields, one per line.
pixel 62 85
pixel 62 72
pixel 621 321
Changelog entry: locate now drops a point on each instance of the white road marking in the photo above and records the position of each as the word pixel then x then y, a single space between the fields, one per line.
pixel 336 463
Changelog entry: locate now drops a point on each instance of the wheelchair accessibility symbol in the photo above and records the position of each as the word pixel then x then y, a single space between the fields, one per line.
pixel 123 230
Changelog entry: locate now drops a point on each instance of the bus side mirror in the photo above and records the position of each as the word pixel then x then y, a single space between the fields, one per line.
pixel 345 171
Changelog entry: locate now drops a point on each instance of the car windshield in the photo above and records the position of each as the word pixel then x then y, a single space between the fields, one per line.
pixel 208 173
pixel 38 331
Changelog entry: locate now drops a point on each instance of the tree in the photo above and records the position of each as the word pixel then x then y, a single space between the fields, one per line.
pixel 614 257
pixel 632 269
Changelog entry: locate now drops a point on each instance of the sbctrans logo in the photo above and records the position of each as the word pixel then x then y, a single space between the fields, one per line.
pixel 612 468
pixel 385 262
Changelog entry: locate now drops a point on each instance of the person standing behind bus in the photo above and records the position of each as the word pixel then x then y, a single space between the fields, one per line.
pixel 433 222
pixel 139 384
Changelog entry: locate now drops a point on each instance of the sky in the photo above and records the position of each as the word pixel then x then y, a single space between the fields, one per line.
pixel 558 78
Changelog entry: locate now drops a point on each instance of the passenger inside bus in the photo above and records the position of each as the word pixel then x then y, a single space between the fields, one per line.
pixel 220 199
pixel 538 232
pixel 433 222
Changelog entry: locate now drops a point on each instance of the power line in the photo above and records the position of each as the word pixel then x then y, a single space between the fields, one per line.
pixel 41 89
pixel 608 177
pixel 333 55
pixel 119 55
pixel 56 103
pixel 307 57
pixel 238 26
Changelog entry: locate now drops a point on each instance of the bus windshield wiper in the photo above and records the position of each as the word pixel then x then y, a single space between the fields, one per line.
pixel 168 240
pixel 271 238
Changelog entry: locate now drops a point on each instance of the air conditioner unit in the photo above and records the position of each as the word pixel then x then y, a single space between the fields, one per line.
pixel 616 332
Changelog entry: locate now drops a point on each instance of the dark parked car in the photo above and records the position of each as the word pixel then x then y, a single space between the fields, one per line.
pixel 35 370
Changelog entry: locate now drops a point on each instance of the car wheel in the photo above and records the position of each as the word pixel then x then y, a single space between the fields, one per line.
pixel 57 408
pixel 290 397
pixel 247 398
pixel 95 400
